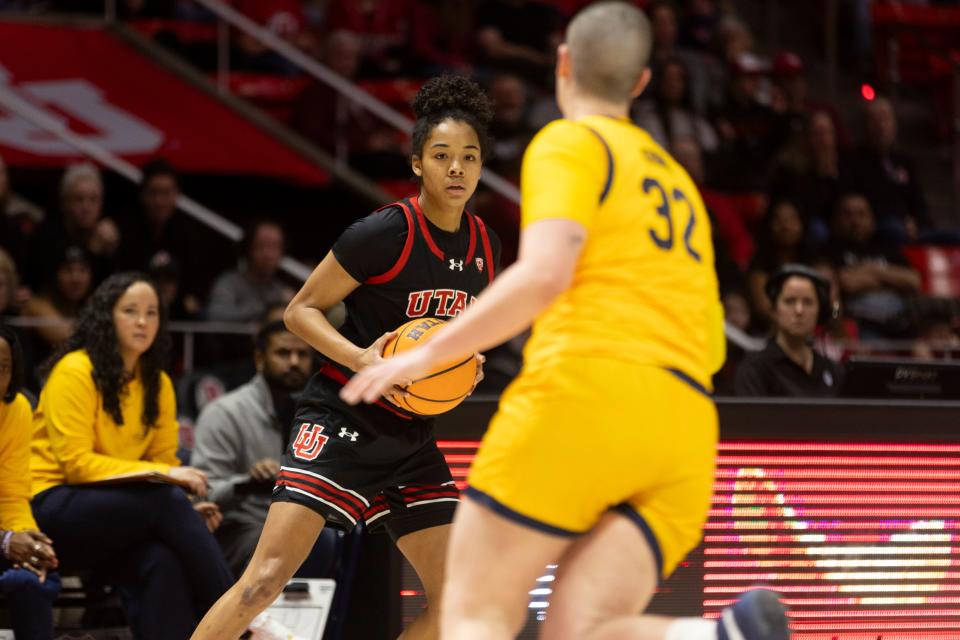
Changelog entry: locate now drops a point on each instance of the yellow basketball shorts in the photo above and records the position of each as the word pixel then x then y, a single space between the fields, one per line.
pixel 573 441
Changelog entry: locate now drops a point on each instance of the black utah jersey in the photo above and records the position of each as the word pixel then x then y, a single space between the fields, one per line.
pixel 409 268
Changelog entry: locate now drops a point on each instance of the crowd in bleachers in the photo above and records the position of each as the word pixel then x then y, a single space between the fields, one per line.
pixel 786 176
pixel 788 180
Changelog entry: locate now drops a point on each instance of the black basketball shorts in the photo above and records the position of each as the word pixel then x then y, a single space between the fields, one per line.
pixel 365 463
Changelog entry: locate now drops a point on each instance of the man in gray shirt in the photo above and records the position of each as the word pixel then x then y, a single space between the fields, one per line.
pixel 244 293
pixel 241 436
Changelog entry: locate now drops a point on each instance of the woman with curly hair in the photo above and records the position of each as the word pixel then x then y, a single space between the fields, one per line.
pixel 108 410
pixel 423 256
pixel 27 554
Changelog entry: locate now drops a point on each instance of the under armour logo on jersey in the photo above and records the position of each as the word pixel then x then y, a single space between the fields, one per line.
pixel 348 434
pixel 456 265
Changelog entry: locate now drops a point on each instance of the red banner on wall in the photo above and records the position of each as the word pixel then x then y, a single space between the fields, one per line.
pixel 111 94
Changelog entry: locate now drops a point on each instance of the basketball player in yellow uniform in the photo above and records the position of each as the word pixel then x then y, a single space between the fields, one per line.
pixel 601 455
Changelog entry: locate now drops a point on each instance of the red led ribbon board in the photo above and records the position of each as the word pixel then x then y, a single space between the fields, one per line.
pixel 857 536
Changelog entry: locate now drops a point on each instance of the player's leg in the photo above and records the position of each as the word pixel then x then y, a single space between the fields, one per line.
pixel 492 564
pixel 426 550
pixel 606 579
pixel 288 536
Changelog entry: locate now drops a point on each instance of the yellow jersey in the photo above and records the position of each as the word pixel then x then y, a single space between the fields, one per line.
pixel 645 288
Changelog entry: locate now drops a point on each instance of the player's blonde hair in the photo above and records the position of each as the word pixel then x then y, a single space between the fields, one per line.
pixel 609 44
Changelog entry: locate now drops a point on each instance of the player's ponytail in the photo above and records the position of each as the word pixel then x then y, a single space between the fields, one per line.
pixel 454 97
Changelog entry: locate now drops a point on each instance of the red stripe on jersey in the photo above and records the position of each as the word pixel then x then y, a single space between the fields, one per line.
pixel 473 237
pixel 337 376
pixel 422 221
pixel 375 509
pixel 404 255
pixel 353 511
pixel 487 249
pixel 324 486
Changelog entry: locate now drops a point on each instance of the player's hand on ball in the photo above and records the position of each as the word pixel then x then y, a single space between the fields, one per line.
pixel 378 380
pixel 374 353
pixel 481 359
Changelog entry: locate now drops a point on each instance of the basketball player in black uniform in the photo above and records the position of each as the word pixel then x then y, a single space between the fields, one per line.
pixel 424 256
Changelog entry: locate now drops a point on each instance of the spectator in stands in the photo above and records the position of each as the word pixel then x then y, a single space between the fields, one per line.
pixel 342 126
pixel 383 27
pixel 790 96
pixel 108 410
pixel 286 19
pixel 242 294
pixel 241 437
pixel 668 115
pixel 18 219
pixel 9 284
pixel 937 336
pixel 751 131
pixel 165 271
pixel 733 38
pixel 781 240
pixel 158 227
pixel 81 224
pixel 701 20
pixel 518 36
pixel 702 75
pixel 163 227
pixel 28 557
pixel 886 177
pixel 874 276
pixel 10 306
pixel 810 175
pixel 789 366
pixel 442 37
pixel 59 302
pixel 510 127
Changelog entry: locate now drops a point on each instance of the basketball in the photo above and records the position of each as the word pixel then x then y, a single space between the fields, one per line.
pixel 442 389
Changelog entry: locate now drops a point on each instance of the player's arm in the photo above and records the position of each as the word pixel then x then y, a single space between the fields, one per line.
pixel 369 247
pixel 326 287
pixel 549 250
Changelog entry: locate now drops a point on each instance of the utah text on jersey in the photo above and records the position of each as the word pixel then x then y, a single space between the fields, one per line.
pixel 449 303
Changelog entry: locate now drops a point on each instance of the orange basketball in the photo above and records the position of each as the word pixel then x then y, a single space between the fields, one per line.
pixel 442 389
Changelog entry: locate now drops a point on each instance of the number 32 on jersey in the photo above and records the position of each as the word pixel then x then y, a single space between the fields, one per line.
pixel 676 202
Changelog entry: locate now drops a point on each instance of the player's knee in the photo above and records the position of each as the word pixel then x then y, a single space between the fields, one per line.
pixel 463 606
pixel 261 585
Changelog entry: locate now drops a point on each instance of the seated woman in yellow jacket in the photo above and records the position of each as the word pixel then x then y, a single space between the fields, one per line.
pixel 27 554
pixel 108 410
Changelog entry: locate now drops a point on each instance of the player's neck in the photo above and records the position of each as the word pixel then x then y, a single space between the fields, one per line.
pixel 445 217
pixel 581 106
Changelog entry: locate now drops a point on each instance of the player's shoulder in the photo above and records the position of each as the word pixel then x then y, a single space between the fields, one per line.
pixel 389 221
pixel 565 133
pixel 391 216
